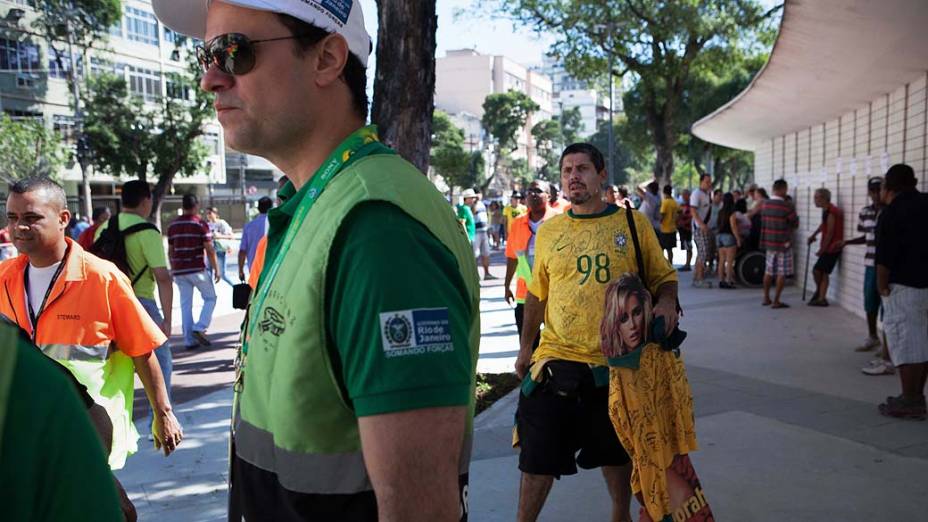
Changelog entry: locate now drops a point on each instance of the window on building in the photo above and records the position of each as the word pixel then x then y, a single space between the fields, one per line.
pixel 99 66
pixel 116 29
pixel 144 82
pixel 141 26
pixel 19 56
pixel 19 115
pixel 176 90
pixel 64 126
pixel 211 140
pixel 62 72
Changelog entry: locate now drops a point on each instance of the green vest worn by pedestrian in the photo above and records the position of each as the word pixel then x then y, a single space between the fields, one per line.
pixel 292 417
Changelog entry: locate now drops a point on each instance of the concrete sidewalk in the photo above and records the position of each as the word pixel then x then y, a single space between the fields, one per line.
pixel 787 425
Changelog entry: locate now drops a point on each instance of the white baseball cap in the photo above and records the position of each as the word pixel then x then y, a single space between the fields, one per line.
pixel 337 16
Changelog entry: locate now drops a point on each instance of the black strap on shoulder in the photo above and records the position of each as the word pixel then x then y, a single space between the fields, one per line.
pixel 634 231
pixel 138 227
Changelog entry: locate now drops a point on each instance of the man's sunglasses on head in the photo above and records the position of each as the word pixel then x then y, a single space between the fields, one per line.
pixel 232 53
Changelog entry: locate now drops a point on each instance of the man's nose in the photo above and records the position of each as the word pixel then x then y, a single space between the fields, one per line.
pixel 215 80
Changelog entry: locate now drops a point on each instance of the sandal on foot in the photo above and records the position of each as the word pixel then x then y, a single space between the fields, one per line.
pixel 779 305
pixel 903 408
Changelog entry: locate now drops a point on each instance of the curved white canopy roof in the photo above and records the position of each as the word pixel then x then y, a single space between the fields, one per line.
pixel 830 57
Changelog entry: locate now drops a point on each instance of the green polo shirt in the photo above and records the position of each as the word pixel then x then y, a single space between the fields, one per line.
pixel 384 260
pixel 53 465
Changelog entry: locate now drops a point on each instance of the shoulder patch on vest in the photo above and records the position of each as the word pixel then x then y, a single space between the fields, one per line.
pixel 416 332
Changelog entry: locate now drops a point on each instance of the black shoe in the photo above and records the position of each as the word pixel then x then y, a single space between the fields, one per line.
pixel 191 347
pixel 201 338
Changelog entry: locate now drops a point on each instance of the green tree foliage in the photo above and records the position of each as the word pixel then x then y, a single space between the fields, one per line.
pixel 504 115
pixel 451 161
pixel 118 128
pixel 549 140
pixel 29 148
pixel 571 121
pixel 130 138
pixel 660 43
pixel 625 158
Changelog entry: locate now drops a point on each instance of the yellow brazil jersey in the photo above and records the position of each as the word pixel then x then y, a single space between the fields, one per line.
pixel 669 209
pixel 576 257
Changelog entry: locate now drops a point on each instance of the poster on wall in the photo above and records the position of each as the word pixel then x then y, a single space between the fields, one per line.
pixel 852 168
pixel 884 162
pixel 839 163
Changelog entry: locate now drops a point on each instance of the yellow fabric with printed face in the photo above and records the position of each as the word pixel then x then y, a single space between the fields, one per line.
pixel 652 411
pixel 575 260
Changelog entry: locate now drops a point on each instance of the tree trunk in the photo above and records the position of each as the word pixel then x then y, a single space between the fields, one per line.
pixel 157 197
pixel 663 163
pixel 404 85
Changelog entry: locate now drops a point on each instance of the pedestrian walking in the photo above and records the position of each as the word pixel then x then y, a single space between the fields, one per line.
pixel 612 194
pixel 190 244
pixel 728 241
pixel 901 258
pixel 481 241
pixel 355 396
pixel 685 229
pixel 147 264
pixel 514 209
pixel 496 221
pixel 668 231
pixel 622 199
pixel 651 405
pixel 557 203
pixel 100 216
pixel 81 311
pixel 577 255
pixel 520 249
pixel 701 206
pixel 252 233
pixel 466 218
pixel 651 204
pixel 714 232
pixel 222 235
pixel 829 251
pixel 866 225
pixel 778 223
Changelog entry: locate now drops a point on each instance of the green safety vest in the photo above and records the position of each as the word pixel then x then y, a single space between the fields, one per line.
pixel 292 417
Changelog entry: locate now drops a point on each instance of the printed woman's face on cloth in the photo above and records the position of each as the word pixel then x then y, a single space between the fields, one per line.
pixel 631 322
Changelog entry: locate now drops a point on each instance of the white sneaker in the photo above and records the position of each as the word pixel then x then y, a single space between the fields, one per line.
pixel 702 284
pixel 880 368
pixel 869 344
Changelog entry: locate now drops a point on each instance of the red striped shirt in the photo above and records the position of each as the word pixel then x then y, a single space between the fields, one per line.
pixel 778 221
pixel 188 236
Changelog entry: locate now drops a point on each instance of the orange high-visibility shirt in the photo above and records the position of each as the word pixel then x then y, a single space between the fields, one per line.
pixel 91 323
pixel 258 264
pixel 517 244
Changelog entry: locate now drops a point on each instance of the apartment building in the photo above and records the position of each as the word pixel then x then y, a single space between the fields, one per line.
pixel 139 48
pixel 465 77
pixel 569 93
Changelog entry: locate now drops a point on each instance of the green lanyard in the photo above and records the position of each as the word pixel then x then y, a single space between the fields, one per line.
pixel 332 166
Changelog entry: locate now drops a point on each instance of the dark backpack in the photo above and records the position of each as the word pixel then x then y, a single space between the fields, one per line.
pixel 111 245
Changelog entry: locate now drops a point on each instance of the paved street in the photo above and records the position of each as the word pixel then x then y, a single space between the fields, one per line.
pixel 787 424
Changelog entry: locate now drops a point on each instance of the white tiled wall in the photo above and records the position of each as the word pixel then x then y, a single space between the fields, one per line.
pixel 840 154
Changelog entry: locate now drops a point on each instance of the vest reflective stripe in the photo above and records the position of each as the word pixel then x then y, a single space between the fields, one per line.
pixel 313 473
pixel 76 352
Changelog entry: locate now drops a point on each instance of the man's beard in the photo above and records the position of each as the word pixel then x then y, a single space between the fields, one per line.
pixel 580 199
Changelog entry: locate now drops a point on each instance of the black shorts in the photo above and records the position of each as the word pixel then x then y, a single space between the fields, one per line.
pixel 566 414
pixel 667 239
pixel 826 263
pixel 686 234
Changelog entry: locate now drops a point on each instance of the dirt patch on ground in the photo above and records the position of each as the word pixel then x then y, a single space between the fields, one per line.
pixel 494 386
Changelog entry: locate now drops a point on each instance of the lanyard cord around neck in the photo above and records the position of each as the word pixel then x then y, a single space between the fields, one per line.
pixel 33 315
pixel 336 161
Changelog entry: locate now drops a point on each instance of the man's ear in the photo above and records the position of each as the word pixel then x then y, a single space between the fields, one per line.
pixel 64 217
pixel 331 58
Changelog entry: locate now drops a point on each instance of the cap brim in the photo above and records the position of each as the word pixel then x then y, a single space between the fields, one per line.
pixel 186 17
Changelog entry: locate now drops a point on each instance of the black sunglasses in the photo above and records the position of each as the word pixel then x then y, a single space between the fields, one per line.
pixel 232 53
